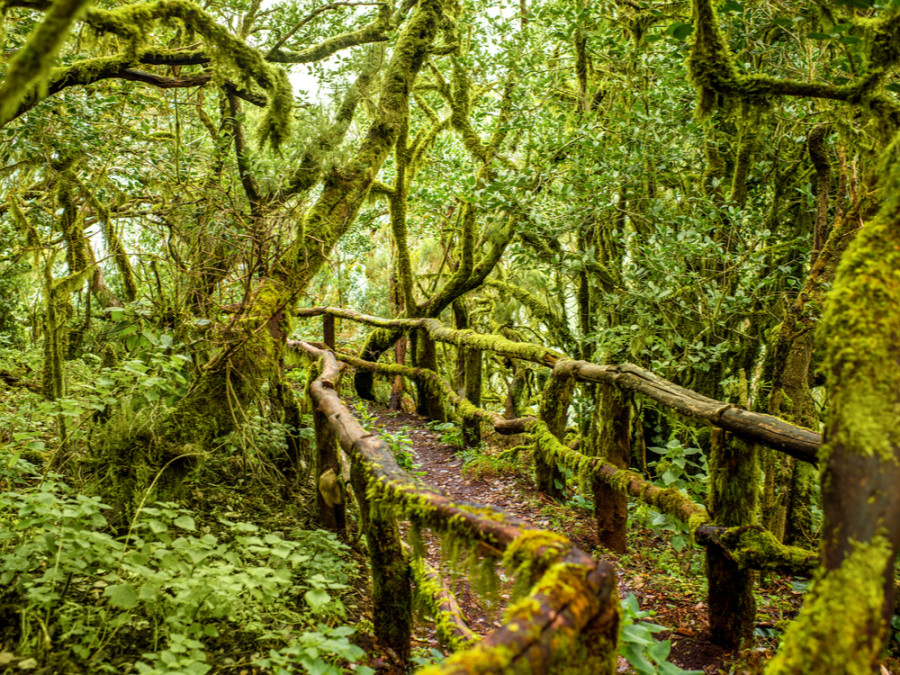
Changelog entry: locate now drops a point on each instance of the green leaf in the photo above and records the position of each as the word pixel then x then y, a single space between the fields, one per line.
pixel 680 30
pixel 317 599
pixel 185 523
pixel 122 596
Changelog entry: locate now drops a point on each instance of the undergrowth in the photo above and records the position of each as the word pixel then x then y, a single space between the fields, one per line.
pixel 228 578
pixel 174 594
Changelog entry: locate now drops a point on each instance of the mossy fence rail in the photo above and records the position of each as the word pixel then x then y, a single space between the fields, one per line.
pixel 568 620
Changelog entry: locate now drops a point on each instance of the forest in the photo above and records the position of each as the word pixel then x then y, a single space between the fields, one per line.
pixel 449 336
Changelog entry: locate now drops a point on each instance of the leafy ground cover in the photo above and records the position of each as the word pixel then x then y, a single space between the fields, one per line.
pixel 231 579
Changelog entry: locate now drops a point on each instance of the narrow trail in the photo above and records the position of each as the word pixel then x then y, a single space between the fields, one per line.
pixel 442 466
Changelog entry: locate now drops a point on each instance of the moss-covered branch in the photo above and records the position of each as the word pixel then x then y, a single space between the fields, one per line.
pixel 754 547
pixel 32 62
pixel 714 71
pixel 495 343
pixel 310 168
pixel 538 308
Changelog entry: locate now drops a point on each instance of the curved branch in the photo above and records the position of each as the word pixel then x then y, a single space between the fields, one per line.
pixel 34 59
pixel 713 70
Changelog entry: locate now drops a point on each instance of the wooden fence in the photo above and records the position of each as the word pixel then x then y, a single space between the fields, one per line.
pixel 572 604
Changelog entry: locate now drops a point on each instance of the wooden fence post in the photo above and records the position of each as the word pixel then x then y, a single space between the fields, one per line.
pixel 612 430
pixel 471 426
pixel 733 497
pixel 328 330
pixel 554 410
pixel 392 596
pixel 429 403
pixel 330 502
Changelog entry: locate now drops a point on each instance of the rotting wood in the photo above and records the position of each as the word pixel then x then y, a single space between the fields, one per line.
pixel 772 432
pixel 575 599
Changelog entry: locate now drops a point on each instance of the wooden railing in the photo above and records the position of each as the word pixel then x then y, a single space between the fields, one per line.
pixel 735 543
pixel 572 606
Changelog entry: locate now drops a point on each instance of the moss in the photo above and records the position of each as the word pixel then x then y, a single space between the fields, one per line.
pixel 840 614
pixel 696 521
pixel 231 57
pixel 530 555
pixel 734 474
pixel 861 324
pixel 668 500
pixel 567 652
pixel 31 64
pixel 439 601
pixel 757 548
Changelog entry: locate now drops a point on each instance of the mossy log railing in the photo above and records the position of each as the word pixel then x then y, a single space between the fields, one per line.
pixel 753 427
pixel 572 608
pixel 735 543
pixel 450 623
pixel 752 546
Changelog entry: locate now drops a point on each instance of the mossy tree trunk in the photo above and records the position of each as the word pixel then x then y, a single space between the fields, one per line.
pixel 554 411
pixel 471 430
pixel 232 378
pixel 468 377
pixel 789 483
pixel 733 473
pixel 429 401
pixel 391 574
pixel 612 442
pixel 845 617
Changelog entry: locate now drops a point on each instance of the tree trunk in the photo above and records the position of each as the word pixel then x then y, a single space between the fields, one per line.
pixel 845 617
pixel 554 410
pixel 232 379
pixel 612 442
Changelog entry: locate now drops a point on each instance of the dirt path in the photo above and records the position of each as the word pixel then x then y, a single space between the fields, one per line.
pixel 442 467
